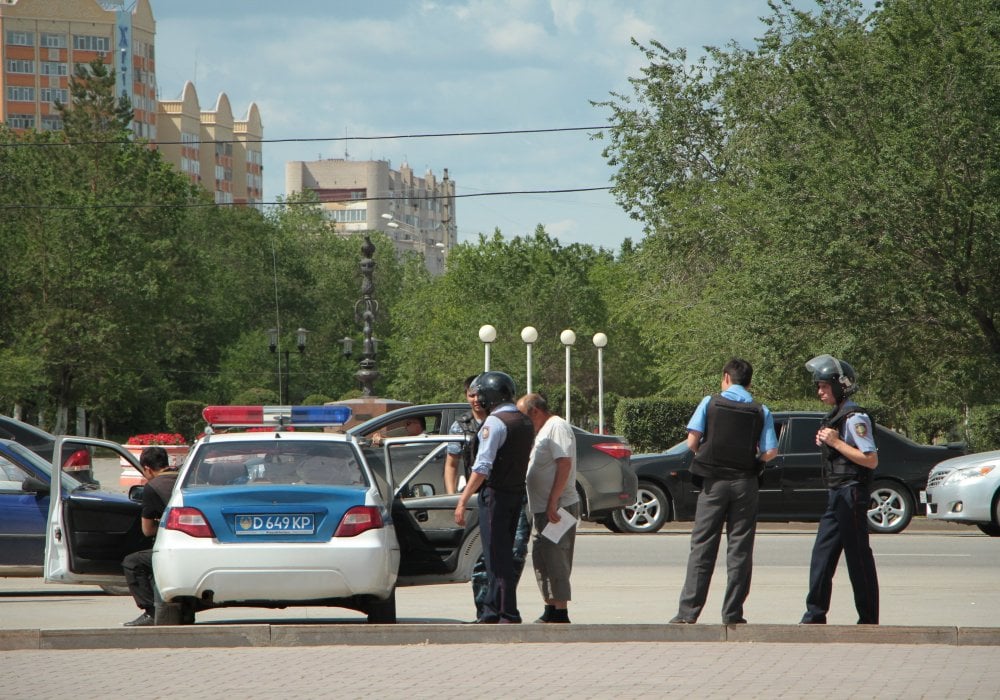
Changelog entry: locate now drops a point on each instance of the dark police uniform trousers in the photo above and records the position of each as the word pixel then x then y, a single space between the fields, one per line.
pixel 499 513
pixel 843 528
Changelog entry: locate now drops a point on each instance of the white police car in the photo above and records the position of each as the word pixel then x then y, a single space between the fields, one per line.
pixel 278 516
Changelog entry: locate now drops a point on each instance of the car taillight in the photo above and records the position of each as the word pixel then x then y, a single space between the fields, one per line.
pixel 357 520
pixel 618 450
pixel 190 521
pixel 78 461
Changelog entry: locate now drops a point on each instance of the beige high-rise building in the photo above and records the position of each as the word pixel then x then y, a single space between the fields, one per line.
pixel 418 213
pixel 42 42
pixel 210 147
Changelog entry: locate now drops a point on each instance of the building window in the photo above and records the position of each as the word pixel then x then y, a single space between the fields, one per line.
pixel 20 93
pixel 87 42
pixel 21 121
pixel 17 38
pixel 54 95
pixel 20 65
pixel 346 216
pixel 53 68
pixel 53 41
pixel 52 123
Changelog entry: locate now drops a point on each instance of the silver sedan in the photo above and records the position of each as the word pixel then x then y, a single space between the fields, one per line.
pixel 966 490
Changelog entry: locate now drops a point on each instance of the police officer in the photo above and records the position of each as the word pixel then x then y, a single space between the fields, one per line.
pixel 849 458
pixel 498 475
pixel 731 436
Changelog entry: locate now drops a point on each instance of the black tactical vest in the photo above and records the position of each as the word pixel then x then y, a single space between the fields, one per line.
pixel 470 428
pixel 511 464
pixel 838 469
pixel 732 434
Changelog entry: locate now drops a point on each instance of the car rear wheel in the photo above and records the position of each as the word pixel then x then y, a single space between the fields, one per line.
pixel 382 612
pixel 890 509
pixel 650 510
pixel 177 613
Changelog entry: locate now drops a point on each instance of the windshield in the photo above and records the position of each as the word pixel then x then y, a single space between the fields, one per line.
pixel 284 461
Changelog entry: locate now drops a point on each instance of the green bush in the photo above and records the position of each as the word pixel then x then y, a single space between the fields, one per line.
pixel 256 397
pixel 653 425
pixel 933 424
pixel 184 417
pixel 316 400
pixel 983 430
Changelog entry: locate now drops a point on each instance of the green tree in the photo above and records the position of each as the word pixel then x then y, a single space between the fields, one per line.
pixel 831 189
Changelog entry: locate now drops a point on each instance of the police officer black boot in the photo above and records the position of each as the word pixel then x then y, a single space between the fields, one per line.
pixel 560 615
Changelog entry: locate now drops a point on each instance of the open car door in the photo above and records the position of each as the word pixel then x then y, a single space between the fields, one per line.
pixel 88 533
pixel 433 548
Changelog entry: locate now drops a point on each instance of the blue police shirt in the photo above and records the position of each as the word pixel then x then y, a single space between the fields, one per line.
pixel 492 435
pixel 857 431
pixel 768 440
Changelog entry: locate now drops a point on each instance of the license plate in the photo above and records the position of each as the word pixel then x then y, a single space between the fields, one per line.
pixel 275 524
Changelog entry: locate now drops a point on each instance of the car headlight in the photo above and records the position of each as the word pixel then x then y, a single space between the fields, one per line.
pixel 960 475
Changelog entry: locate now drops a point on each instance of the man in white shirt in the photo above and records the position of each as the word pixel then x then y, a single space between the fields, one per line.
pixel 551 483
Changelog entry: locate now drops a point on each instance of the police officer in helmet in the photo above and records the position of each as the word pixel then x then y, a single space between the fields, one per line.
pixel 849 459
pixel 498 475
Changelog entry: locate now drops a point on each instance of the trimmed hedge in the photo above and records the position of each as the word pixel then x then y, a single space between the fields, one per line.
pixel 184 417
pixel 653 425
pixel 983 429
pixel 934 424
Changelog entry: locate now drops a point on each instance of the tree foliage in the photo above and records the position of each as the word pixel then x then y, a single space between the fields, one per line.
pixel 832 189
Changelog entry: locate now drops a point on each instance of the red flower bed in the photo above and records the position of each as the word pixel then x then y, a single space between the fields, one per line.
pixel 157 439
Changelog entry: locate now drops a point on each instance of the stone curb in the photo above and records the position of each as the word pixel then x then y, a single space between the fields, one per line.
pixel 264 635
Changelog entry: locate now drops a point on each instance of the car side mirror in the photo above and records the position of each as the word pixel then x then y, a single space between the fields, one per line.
pixel 34 485
pixel 421 490
pixel 135 493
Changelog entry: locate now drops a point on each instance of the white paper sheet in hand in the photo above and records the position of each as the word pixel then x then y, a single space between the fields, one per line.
pixel 555 531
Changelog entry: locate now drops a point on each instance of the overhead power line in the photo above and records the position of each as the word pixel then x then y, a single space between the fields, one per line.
pixel 186 205
pixel 446 134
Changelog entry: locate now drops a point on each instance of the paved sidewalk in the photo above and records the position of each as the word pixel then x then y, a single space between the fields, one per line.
pixel 550 671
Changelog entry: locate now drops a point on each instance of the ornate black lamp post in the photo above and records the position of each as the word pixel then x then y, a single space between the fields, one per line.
pixel 364 313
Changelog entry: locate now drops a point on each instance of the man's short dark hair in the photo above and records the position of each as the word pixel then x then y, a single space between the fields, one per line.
pixel 739 370
pixel 468 381
pixel 154 457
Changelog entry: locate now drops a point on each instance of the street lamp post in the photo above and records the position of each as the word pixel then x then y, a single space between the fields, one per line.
pixel 529 335
pixel 567 338
pixel 600 341
pixel 487 334
pixel 273 342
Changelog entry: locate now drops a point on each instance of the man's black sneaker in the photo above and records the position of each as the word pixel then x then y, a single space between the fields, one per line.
pixel 681 621
pixel 734 621
pixel 144 620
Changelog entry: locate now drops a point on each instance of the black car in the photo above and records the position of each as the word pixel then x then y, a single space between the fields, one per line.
pixel 792 487
pixel 604 479
pixel 75 459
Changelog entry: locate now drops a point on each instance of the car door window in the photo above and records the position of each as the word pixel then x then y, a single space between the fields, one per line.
pixel 11 476
pixel 802 436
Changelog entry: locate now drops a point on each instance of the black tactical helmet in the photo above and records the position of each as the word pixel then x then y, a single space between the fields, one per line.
pixel 839 374
pixel 493 389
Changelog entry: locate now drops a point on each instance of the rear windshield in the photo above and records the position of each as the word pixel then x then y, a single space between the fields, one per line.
pixel 277 462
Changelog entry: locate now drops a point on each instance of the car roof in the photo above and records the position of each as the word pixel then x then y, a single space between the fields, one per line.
pixel 15 426
pixel 272 435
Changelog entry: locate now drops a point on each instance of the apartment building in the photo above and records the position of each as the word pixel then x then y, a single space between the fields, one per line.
pixel 215 151
pixel 41 43
pixel 418 213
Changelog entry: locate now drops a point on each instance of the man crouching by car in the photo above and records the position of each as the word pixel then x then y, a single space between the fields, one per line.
pixel 138 566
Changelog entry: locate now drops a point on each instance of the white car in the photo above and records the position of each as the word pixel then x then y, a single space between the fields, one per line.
pixel 966 490
pixel 281 516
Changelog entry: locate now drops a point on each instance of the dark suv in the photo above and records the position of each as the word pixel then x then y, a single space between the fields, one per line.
pixel 604 478
pixel 792 487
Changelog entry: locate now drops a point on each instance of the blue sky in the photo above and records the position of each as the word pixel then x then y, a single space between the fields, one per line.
pixel 335 68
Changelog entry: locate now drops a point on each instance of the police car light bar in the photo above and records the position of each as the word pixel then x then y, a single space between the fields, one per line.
pixel 278 416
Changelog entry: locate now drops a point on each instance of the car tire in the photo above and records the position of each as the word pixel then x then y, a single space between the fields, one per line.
pixel 179 613
pixel 890 509
pixel 993 528
pixel 649 512
pixel 382 612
